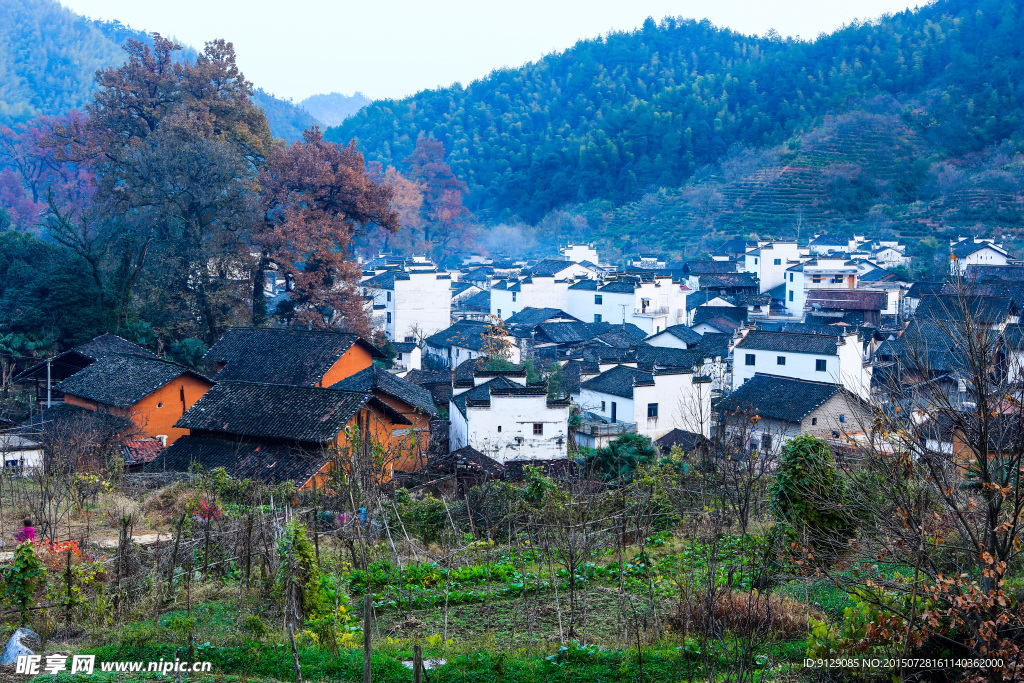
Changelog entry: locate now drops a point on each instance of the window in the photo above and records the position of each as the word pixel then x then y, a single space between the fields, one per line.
pixel 748 359
pixel 513 296
pixel 389 296
pixel 791 277
pixel 755 262
pixel 602 406
pixel 778 262
pixel 816 279
pixel 597 317
pixel 652 410
pixel 821 365
pixel 780 360
pixel 389 317
pixel 791 295
pixel 814 421
pixel 599 299
pixel 160 404
pixel 499 312
pixel 410 339
pixel 766 442
pixel 538 429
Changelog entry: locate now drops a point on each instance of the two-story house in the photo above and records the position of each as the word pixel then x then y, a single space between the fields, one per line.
pixel 657 400
pixel 409 305
pixel 770 260
pixel 501 416
pixel 837 359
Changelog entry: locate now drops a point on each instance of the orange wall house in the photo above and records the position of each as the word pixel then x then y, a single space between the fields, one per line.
pixel 357 358
pixel 156 414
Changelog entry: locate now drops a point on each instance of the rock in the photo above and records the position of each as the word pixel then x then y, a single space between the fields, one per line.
pixel 19 645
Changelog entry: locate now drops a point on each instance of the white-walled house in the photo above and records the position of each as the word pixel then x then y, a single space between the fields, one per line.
pixel 578 253
pixel 656 401
pixel 819 273
pixel 410 305
pixel 975 251
pixel 20 454
pixel 770 260
pixel 651 304
pixel 460 342
pixel 543 285
pixel 786 407
pixel 503 418
pixel 675 337
pixel 812 357
pixel 409 356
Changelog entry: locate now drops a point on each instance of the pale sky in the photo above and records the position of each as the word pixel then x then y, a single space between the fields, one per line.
pixel 392 48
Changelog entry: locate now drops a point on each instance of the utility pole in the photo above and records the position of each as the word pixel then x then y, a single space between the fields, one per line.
pixel 49 402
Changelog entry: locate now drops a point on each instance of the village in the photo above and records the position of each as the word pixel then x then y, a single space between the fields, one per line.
pixel 504 364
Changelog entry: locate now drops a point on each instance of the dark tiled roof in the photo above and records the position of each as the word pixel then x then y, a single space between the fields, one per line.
pixel 585 284
pixel 737 314
pixel 969 246
pixel 687 441
pixel 466 461
pixel 831 241
pixel 480 395
pixel 714 344
pixel 465 335
pixel 983 273
pixel 728 281
pixel 550 268
pixel 801 328
pixel 65 415
pixel 620 287
pixel 274 411
pixel 664 357
pixel 779 398
pixel 273 462
pixel 682 333
pixel 405 347
pixel 986 310
pixel 277 356
pixel 996 288
pixel 847 299
pixel 878 275
pixel 373 378
pixel 478 274
pixel 531 317
pixel 110 343
pixel 481 300
pixel 618 381
pixel 759 340
pixel 919 289
pixel 709 267
pixel 722 324
pixel 79 356
pixel 384 280
pixel 574 333
pixel 122 380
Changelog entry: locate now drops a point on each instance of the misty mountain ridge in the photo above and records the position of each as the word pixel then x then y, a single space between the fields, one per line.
pixel 333 108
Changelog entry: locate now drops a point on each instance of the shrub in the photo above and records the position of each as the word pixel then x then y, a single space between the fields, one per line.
pixel 808 492
pixel 621 458
pixel 744 614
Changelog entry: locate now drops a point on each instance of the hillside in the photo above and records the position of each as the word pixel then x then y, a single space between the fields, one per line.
pixel 620 116
pixel 333 108
pixel 48 55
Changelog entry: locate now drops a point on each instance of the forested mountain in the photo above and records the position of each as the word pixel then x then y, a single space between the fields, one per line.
pixel 48 55
pixel 333 108
pixel 616 118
